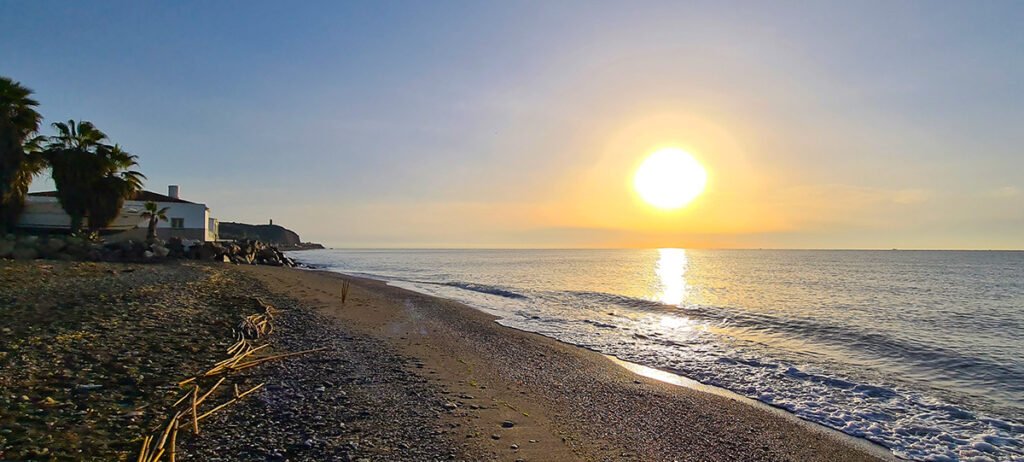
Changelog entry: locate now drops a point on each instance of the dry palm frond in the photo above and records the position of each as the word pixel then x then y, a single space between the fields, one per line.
pixel 231 401
pixel 249 329
pixel 270 358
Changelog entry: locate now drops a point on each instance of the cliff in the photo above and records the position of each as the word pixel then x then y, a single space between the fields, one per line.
pixel 271 234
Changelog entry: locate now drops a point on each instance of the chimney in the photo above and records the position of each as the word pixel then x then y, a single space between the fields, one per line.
pixel 172 190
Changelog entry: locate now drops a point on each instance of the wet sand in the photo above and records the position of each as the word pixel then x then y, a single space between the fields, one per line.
pixel 520 396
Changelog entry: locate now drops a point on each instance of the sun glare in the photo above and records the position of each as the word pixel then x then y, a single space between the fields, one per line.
pixel 670 178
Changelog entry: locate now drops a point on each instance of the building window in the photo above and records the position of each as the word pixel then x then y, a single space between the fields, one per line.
pixel 177 223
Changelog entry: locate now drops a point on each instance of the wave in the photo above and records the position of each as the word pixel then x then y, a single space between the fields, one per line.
pixel 954 364
pixel 485 289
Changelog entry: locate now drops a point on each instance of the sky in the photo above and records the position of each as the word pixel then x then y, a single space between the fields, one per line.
pixel 519 124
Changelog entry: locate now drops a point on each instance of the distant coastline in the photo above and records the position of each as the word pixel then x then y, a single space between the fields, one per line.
pixel 276 235
pixel 301 246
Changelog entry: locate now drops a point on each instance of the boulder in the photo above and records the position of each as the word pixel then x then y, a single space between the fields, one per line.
pixel 74 241
pixel 55 244
pixel 6 247
pixel 24 253
pixel 205 251
pixel 176 247
pixel 125 246
pixel 28 241
pixel 161 251
pixel 112 255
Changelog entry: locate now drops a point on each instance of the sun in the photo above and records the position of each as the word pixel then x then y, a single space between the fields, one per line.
pixel 670 178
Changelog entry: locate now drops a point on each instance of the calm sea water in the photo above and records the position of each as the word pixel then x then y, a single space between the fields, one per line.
pixel 922 352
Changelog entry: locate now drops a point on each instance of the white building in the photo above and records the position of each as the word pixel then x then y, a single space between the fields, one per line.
pixel 185 219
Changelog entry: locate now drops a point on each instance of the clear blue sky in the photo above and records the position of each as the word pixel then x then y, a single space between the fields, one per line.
pixel 846 124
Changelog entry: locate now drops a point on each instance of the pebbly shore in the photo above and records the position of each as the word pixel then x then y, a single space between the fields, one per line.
pixel 92 355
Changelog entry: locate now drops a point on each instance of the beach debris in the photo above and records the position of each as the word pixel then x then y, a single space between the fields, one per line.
pixel 187 408
pixel 345 285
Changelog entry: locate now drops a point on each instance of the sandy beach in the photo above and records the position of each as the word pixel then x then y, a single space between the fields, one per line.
pixel 401 376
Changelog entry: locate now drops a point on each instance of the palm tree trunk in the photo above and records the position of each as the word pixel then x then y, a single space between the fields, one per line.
pixel 151 233
pixel 76 224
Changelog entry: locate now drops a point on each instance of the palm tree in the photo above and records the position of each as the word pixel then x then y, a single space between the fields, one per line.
pixel 19 155
pixel 116 184
pixel 153 215
pixel 93 178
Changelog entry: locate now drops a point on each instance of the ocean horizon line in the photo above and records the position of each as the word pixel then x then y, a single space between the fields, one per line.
pixel 808 249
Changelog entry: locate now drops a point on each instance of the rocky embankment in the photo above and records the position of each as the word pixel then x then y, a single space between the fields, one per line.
pixel 100 351
pixel 72 248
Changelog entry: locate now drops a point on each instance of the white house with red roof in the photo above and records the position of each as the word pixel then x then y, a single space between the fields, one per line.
pixel 185 219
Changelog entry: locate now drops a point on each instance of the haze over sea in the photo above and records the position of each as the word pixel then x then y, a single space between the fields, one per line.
pixel 918 351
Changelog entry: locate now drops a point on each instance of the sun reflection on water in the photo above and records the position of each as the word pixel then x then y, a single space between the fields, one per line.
pixel 671 271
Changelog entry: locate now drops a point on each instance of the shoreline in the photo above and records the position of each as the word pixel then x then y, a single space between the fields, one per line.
pixel 676 379
pixel 396 375
pixel 669 377
pixel 683 381
pixel 648 419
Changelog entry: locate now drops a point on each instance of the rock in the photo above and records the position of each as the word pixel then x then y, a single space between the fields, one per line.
pixel 24 253
pixel 28 241
pixel 176 247
pixel 514 447
pixel 508 424
pixel 267 253
pixel 55 244
pixel 148 254
pixel 203 251
pixel 161 251
pixel 6 248
pixel 112 255
pixel 495 436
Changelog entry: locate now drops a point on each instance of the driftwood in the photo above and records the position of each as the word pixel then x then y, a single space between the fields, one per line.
pixel 271 358
pixel 174 443
pixel 241 356
pixel 195 407
pixel 231 401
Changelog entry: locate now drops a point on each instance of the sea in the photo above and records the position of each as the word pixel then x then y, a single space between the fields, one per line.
pixel 921 352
